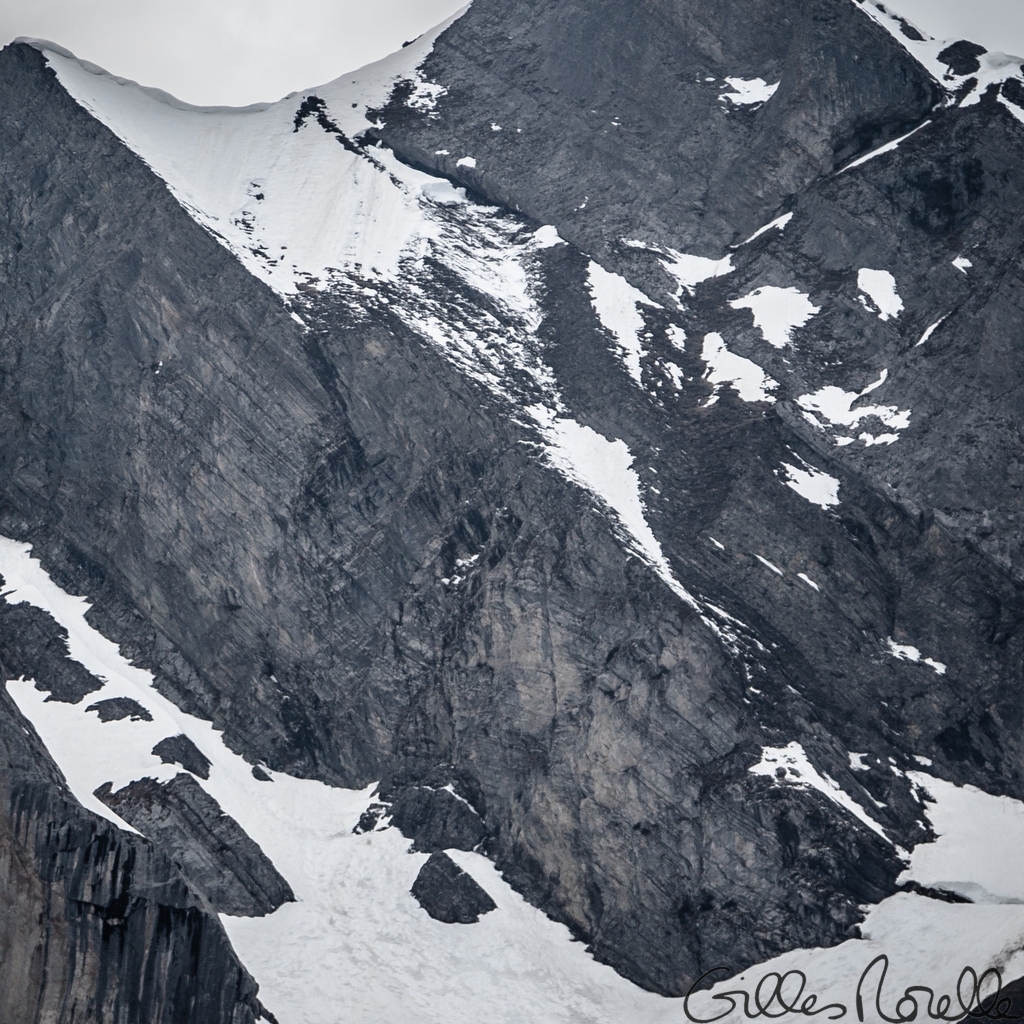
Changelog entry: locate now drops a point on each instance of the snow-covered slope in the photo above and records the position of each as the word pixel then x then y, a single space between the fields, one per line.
pixel 967 81
pixel 357 947
pixel 291 199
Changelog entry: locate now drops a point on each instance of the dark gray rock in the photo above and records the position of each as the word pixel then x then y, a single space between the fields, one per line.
pixel 437 819
pixel 211 848
pixel 34 646
pixel 448 894
pixel 962 56
pixel 371 818
pixel 1014 996
pixel 116 709
pixel 181 750
pixel 99 925
pixel 612 122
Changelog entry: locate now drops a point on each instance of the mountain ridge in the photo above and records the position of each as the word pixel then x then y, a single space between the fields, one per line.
pixel 510 639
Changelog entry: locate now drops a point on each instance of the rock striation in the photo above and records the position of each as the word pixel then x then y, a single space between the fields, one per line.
pixel 99 924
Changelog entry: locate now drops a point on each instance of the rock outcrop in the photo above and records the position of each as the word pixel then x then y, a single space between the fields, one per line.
pixel 448 894
pixel 99 924
pixel 650 123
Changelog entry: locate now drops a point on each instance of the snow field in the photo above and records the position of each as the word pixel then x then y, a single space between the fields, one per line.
pixel 357 948
pixel 980 839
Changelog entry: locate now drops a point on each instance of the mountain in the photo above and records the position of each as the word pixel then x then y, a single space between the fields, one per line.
pixel 516 528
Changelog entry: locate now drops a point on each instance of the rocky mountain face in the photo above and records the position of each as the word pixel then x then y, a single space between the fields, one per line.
pixel 647 558
pixel 610 122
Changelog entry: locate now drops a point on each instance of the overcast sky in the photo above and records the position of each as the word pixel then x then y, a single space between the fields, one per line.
pixel 246 51
pixel 226 51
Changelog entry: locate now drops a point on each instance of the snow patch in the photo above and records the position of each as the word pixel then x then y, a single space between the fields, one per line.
pixel 676 373
pixel 777 312
pixel 466 161
pixel 887 148
pixel 835 406
pixel 771 565
pixel 962 263
pixel 790 765
pixel 604 468
pixel 747 91
pixel 880 288
pixel 930 330
pixel 857 762
pixel 813 485
pixel 688 270
pixel 547 236
pixel 872 439
pixel 779 224
pixel 807 579
pixel 907 653
pixel 751 383
pixel 615 300
pixel 425 94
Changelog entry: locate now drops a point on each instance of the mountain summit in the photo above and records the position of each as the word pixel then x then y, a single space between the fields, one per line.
pixel 517 528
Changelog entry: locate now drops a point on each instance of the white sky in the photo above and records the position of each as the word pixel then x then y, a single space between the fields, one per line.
pixel 226 51
pixel 247 51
